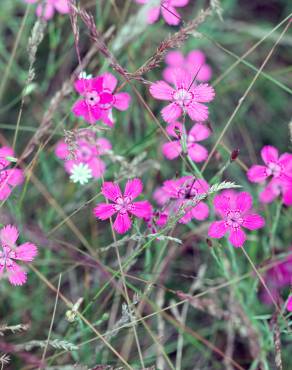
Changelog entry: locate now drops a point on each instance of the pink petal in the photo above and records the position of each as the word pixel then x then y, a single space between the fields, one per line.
pixel 141 1
pixel 182 78
pixel 103 211
pixel 203 93
pixel 161 90
pixel 200 186
pixel 269 154
pixel 16 275
pixel 5 191
pixel 46 12
pixel 217 229
pixel 153 15
pixel 243 201
pixel 96 84
pixel 106 118
pixel 174 129
pixel 221 204
pixel 69 165
pixel 160 196
pixel 170 15
pixel 142 209
pixel 122 223
pixel 196 58
pixel 61 150
pixel 257 173
pixel 122 101
pixel 5 151
pixel 253 221
pixel 133 188
pixel 111 191
pixel 287 195
pixel 103 145
pixel 269 193
pixel 205 73
pixel 237 237
pixel 289 304
pixel 109 81
pixel 62 6
pixel 200 211
pixel 9 235
pixel 172 149
pixel 286 161
pixel 26 252
pixel 171 112
pixel 179 3
pixel 197 111
pixel 90 113
pixel 97 167
pixel 15 177
pixel 174 58
pixel 197 152
pixel 199 132
pixel 82 85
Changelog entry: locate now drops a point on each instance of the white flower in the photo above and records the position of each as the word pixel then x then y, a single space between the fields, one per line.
pixel 81 173
pixel 84 75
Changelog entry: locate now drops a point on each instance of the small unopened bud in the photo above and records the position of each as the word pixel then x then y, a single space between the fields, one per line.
pixel 11 159
pixel 234 155
pixel 71 314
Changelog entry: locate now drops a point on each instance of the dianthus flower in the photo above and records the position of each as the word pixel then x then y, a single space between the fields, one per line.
pixel 47 10
pixel 236 214
pixel 289 304
pixel 10 253
pixel 86 153
pixel 167 9
pixel 185 97
pixel 177 194
pixel 98 99
pixel 194 63
pixel 198 132
pixel 279 170
pixel 9 178
pixel 123 204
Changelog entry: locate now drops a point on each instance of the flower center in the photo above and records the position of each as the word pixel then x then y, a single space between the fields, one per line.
pixel 92 98
pixel 234 219
pixel 123 204
pixel 6 256
pixel 84 153
pixel 183 97
pixel 274 169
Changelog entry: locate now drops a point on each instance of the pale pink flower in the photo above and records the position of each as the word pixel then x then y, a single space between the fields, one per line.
pixel 194 63
pixel 279 170
pixel 196 151
pixel 87 153
pixel 277 278
pixel 236 214
pixel 167 10
pixel 289 304
pixel 9 178
pixel 98 99
pixel 185 97
pixel 10 253
pixel 123 204
pixel 46 9
pixel 180 192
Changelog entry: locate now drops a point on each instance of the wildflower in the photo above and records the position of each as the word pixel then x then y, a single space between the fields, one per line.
pixel 277 277
pixel 168 11
pixel 9 253
pixel 80 173
pixel 193 63
pixel 98 99
pixel 86 153
pixel 235 213
pixel 123 204
pixel 185 97
pixel 46 9
pixel 180 192
pixel 197 152
pixel 9 178
pixel 279 170
pixel 289 304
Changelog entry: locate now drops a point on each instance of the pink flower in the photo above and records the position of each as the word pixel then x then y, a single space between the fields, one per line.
pixel 289 304
pixel 193 63
pixel 9 178
pixel 235 213
pixel 279 170
pixel 180 192
pixel 123 204
pixel 277 277
pixel 47 10
pixel 185 97
pixel 87 153
pixel 167 9
pixel 98 99
pixel 9 253
pixel 197 152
